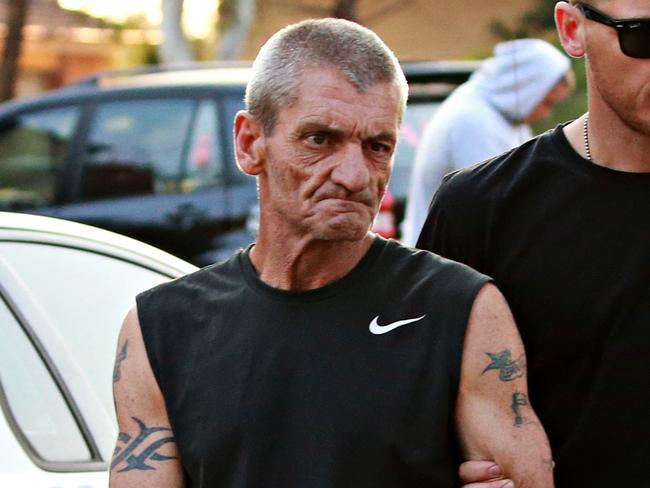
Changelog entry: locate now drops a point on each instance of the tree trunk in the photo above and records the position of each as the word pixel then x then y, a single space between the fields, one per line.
pixel 175 47
pixel 346 9
pixel 16 20
pixel 235 19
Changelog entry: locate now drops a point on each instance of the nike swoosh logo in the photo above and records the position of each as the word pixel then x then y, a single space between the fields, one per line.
pixel 377 329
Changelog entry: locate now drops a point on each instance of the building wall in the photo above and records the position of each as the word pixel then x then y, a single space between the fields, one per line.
pixel 51 63
pixel 414 29
pixel 52 54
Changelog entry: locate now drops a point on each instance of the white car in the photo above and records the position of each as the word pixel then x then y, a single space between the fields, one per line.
pixel 64 290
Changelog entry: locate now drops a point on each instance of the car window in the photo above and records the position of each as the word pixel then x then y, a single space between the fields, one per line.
pixel 135 147
pixel 416 118
pixel 232 103
pixel 85 296
pixel 33 398
pixel 32 150
pixel 204 162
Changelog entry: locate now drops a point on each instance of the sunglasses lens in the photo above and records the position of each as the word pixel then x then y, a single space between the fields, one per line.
pixel 635 41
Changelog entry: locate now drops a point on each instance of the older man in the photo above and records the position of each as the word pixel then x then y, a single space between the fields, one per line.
pixel 562 224
pixel 323 355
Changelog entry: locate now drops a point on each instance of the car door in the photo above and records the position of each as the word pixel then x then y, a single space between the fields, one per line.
pixel 35 145
pixel 61 305
pixel 151 168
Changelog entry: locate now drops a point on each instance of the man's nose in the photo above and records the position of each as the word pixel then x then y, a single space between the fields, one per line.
pixel 351 170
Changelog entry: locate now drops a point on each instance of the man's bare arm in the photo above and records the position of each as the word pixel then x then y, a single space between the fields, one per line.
pixel 494 417
pixel 146 453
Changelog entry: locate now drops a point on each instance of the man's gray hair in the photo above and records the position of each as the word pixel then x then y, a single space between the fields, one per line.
pixel 361 56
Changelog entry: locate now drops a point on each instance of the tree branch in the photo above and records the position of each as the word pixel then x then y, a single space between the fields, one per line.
pixel 9 73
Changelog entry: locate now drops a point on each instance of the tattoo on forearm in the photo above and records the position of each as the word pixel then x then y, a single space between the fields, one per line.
pixel 121 356
pixel 508 369
pixel 519 400
pixel 136 452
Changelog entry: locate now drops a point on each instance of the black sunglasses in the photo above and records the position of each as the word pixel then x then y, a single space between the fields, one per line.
pixel 633 34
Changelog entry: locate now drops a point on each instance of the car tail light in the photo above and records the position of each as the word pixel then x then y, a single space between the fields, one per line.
pixel 385 221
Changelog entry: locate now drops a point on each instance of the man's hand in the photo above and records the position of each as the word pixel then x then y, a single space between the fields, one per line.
pixel 483 474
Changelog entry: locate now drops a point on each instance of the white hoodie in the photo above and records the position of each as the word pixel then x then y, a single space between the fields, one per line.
pixel 481 119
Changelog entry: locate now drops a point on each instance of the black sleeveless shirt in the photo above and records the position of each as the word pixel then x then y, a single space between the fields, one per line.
pixel 349 385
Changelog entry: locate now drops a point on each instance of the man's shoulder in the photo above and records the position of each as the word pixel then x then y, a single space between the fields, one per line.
pixel 207 280
pixel 469 201
pixel 487 181
pixel 412 266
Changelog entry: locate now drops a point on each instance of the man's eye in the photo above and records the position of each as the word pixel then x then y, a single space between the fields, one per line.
pixel 317 139
pixel 378 147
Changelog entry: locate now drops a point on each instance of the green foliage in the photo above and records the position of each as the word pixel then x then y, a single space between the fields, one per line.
pixel 540 18
pixel 533 23
pixel 504 32
pixel 575 104
pixel 150 54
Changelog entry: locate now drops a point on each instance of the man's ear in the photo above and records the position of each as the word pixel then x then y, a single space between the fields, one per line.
pixel 569 22
pixel 249 143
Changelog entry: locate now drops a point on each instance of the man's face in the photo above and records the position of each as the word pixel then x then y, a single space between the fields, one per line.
pixel 329 158
pixel 544 108
pixel 620 82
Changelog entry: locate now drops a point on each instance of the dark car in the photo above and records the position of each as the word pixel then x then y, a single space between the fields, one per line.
pixel 149 153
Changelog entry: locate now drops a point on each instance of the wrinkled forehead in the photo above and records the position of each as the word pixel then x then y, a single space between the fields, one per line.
pixel 391 87
pixel 329 95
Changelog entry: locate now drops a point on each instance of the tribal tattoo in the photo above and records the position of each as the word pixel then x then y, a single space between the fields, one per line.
pixel 508 369
pixel 519 400
pixel 136 452
pixel 121 356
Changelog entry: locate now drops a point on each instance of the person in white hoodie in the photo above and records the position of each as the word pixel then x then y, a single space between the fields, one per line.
pixel 486 116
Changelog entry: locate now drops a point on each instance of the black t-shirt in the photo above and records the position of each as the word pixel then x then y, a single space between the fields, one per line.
pixel 271 388
pixel 568 243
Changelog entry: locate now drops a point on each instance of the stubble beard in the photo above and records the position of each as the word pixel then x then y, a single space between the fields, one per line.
pixel 630 110
pixel 326 227
pixel 339 227
pixel 344 232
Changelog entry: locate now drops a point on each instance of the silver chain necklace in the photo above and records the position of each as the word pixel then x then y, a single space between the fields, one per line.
pixel 585 136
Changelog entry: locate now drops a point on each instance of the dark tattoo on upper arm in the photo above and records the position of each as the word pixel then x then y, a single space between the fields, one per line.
pixel 146 443
pixel 520 400
pixel 508 369
pixel 121 356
